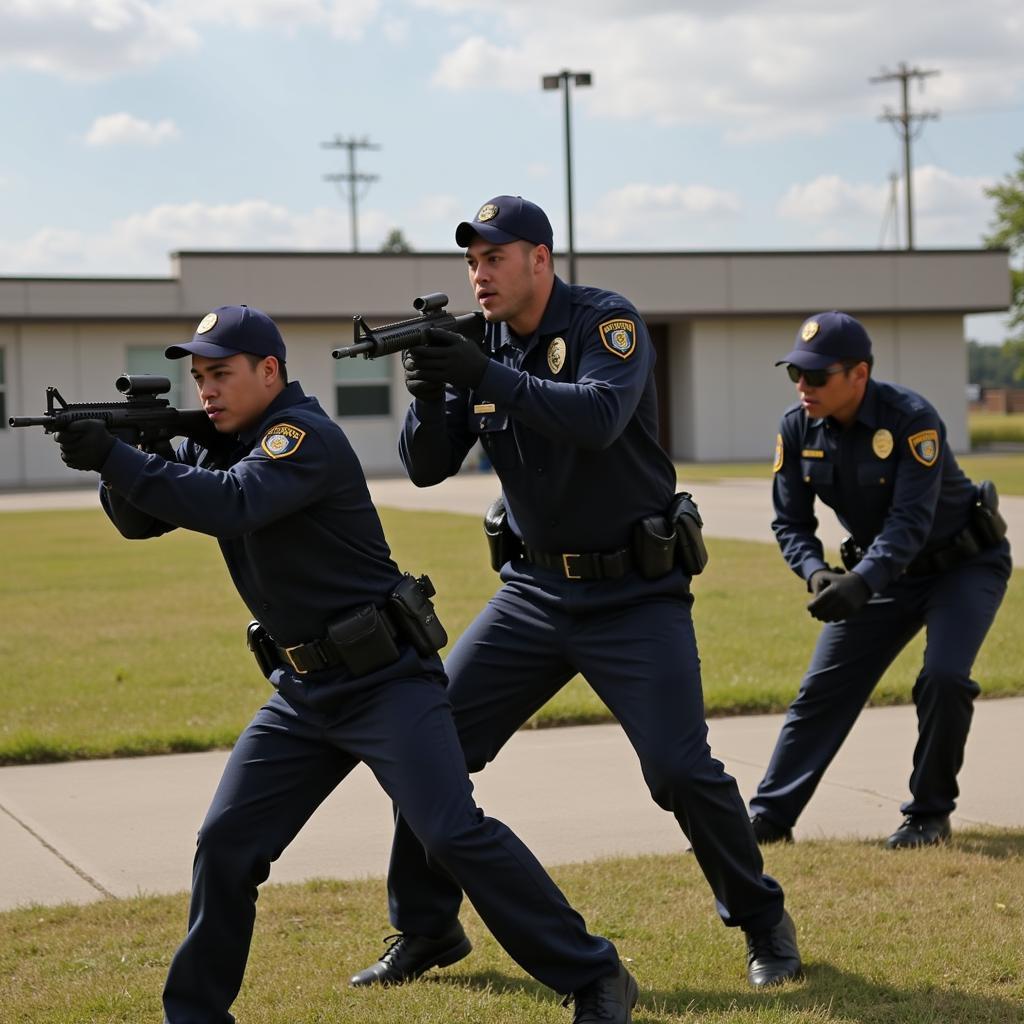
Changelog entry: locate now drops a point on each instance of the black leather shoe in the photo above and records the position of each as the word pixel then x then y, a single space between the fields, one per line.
pixel 608 1000
pixel 409 956
pixel 766 831
pixel 772 956
pixel 920 830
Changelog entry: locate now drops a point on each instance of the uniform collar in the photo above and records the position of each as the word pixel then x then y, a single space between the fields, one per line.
pixel 291 395
pixel 554 320
pixel 868 411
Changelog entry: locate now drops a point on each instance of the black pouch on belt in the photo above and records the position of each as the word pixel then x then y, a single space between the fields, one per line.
pixel 362 640
pixel 693 555
pixel 410 602
pixel 502 543
pixel 986 519
pixel 654 547
pixel 257 639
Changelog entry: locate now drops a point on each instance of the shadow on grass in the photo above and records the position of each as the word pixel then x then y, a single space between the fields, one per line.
pixel 826 992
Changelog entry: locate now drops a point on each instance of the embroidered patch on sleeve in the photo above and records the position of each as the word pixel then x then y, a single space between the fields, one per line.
pixel 778 454
pixel 924 446
pixel 282 440
pixel 619 337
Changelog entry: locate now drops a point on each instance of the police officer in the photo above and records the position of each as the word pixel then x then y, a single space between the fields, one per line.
pixel 562 399
pixel 353 676
pixel 926 548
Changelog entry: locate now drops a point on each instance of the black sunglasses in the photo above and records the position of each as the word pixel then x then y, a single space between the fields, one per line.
pixel 812 378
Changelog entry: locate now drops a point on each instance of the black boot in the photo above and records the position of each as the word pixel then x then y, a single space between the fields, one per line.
pixel 772 956
pixel 766 831
pixel 920 830
pixel 608 1000
pixel 409 956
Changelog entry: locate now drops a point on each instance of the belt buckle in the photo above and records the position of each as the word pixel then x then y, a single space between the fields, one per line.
pixel 291 659
pixel 565 567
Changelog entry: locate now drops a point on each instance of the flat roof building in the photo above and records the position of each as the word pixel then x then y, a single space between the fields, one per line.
pixel 719 320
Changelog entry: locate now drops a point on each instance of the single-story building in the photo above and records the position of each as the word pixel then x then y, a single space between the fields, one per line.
pixel 719 320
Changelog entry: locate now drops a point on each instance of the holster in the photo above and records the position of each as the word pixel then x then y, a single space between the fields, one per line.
pixel 362 640
pixel 502 544
pixel 410 603
pixel 986 519
pixel 684 515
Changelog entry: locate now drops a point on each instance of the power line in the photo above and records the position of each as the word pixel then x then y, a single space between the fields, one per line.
pixel 351 179
pixel 908 126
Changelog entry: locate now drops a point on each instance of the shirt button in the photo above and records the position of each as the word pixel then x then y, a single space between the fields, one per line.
pixel 540 471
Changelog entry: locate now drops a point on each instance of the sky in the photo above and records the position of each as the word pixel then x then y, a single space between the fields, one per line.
pixel 135 128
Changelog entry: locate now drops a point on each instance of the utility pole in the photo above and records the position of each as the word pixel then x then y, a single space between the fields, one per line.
pixel 351 179
pixel 904 124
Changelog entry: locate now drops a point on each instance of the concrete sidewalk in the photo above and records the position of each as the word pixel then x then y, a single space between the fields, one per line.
pixel 83 831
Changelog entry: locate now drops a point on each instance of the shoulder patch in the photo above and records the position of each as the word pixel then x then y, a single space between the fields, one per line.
pixel 282 440
pixel 619 337
pixel 924 446
pixel 778 454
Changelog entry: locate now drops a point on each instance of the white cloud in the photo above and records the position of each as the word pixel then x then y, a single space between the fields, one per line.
pixel 345 19
pixel 755 69
pixel 88 38
pixel 123 129
pixel 662 216
pixel 948 210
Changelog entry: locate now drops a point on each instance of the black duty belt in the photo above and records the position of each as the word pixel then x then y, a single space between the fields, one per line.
pixel 608 565
pixel 314 655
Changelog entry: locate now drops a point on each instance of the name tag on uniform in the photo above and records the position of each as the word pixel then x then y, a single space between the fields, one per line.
pixel 481 408
pixel 812 453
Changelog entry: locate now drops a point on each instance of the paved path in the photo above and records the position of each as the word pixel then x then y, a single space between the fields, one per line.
pixel 82 831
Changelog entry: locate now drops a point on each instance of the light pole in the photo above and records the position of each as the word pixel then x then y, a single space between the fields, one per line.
pixel 561 81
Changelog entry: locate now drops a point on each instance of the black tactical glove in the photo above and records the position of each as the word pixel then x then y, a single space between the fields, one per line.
pixel 842 596
pixel 449 358
pixel 85 444
pixel 424 390
pixel 163 448
pixel 822 578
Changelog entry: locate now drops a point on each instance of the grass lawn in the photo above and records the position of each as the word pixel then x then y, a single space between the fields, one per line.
pixel 990 427
pixel 904 938
pixel 111 647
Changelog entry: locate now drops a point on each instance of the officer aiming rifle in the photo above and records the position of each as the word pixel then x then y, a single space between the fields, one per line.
pixel 374 342
pixel 142 419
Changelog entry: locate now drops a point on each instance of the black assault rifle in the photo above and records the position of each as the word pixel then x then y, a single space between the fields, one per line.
pixel 373 342
pixel 143 419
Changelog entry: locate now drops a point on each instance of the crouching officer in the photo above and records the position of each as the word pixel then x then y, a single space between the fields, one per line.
pixel 926 548
pixel 349 644
pixel 562 399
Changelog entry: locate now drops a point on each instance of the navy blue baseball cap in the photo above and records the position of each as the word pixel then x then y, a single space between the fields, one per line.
pixel 506 219
pixel 229 330
pixel 827 338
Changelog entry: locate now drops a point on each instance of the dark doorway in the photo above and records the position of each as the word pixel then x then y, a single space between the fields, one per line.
pixel 659 337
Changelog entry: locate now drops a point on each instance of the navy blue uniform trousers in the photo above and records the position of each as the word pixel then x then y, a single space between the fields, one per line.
pixel 638 652
pixel 956 609
pixel 285 764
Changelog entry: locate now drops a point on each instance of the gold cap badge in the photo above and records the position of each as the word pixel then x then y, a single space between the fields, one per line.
pixel 207 323
pixel 810 329
pixel 487 212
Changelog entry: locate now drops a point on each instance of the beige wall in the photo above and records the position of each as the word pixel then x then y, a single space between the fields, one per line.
pixel 730 315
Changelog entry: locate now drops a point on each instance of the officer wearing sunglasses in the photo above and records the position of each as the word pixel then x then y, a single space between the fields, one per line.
pixel 927 549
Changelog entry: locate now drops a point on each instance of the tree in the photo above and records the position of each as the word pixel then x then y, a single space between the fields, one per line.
pixel 395 242
pixel 995 366
pixel 1009 233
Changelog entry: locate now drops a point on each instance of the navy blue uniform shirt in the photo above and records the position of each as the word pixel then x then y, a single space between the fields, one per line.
pixel 569 420
pixel 890 477
pixel 288 505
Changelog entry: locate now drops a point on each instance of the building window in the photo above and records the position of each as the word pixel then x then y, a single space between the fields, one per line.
pixel 362 387
pixel 3 392
pixel 151 359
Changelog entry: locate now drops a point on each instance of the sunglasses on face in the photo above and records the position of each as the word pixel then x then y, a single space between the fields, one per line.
pixel 812 378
